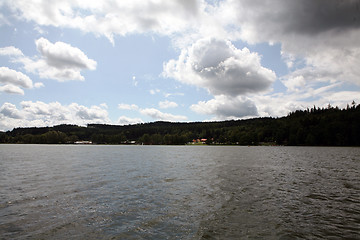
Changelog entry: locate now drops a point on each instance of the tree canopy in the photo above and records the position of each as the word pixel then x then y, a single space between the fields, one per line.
pixel 329 126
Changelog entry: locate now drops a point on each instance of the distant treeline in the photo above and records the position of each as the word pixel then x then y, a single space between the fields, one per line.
pixel 329 126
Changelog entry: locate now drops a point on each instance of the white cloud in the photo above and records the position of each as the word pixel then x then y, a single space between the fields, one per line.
pixel 342 98
pixel 14 81
pixel 167 104
pixel 294 83
pixel 173 94
pixel 123 120
pixel 94 113
pixel 221 68
pixel 61 55
pixel 40 108
pixel 226 107
pixel 157 115
pixel 9 110
pixel 10 51
pixel 59 61
pixel 42 114
pixel 150 112
pixel 124 106
pixel 10 76
pixel 39 85
pixel 326 67
pixel 111 17
pixel 280 104
pixel 9 88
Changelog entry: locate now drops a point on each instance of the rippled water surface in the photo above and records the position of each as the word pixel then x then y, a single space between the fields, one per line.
pixel 182 192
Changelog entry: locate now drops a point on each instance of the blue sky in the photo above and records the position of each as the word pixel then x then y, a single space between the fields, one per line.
pixel 121 62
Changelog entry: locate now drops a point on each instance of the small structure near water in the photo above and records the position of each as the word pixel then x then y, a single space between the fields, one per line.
pixel 197 141
pixel 83 142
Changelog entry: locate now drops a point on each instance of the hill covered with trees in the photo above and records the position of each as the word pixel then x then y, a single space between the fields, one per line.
pixel 329 126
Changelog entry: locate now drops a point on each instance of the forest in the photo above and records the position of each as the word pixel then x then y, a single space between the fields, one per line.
pixel 329 126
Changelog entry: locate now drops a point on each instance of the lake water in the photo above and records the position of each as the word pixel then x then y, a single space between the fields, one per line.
pixel 179 192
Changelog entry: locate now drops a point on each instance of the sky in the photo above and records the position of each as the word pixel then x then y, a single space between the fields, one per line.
pixel 128 62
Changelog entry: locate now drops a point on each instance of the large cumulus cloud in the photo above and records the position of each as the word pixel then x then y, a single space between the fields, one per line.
pixel 59 61
pixel 226 72
pixel 62 55
pixel 221 68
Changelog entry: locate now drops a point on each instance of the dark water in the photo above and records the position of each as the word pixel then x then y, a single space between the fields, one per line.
pixel 183 192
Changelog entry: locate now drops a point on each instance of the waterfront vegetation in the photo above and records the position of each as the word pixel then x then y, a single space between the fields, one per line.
pixel 329 126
